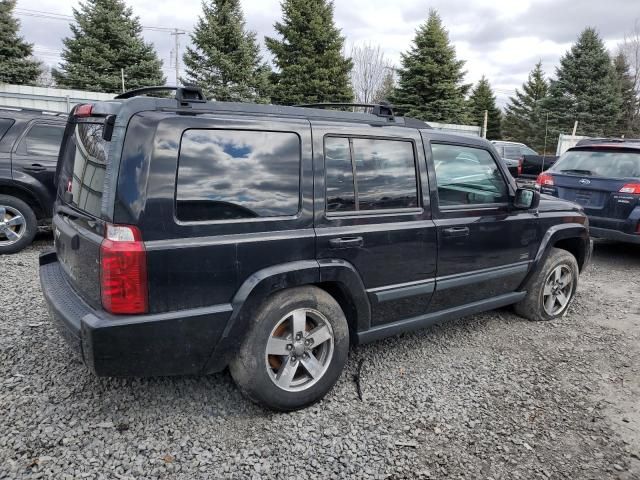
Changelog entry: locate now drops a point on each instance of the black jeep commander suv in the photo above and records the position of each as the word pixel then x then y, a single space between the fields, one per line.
pixel 193 235
pixel 29 145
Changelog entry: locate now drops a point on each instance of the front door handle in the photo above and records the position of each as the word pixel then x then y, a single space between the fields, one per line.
pixel 346 242
pixel 35 167
pixel 456 232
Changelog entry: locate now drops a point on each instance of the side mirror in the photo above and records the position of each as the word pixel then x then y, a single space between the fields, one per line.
pixel 526 199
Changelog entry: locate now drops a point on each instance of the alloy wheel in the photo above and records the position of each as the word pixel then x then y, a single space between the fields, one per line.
pixel 558 289
pixel 12 225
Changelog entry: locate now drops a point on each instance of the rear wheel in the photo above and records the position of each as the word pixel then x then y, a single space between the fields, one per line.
pixel 295 350
pixel 18 224
pixel 550 292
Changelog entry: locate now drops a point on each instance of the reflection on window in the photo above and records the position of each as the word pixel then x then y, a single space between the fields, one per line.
pixel 385 174
pixel 88 167
pixel 512 153
pixel 340 190
pixel 467 176
pixel 44 140
pixel 617 164
pixel 234 174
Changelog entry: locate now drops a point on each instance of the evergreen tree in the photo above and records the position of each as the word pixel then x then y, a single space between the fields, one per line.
pixel 16 63
pixel 431 78
pixel 311 66
pixel 628 125
pixel 524 120
pixel 584 90
pixel 225 59
pixel 482 99
pixel 106 38
pixel 384 93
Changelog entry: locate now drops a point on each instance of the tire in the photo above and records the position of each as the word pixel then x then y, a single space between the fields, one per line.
pixel 283 381
pixel 16 234
pixel 542 287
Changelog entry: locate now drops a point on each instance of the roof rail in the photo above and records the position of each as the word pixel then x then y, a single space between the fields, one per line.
pixel 588 141
pixel 33 110
pixel 381 109
pixel 184 95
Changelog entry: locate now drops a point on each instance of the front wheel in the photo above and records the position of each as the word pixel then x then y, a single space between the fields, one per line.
pixel 551 290
pixel 295 350
pixel 18 224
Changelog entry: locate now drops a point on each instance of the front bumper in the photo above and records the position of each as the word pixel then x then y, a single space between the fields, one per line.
pixel 617 235
pixel 173 343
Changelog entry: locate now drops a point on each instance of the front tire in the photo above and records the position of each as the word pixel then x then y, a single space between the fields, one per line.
pixel 295 350
pixel 18 224
pixel 551 290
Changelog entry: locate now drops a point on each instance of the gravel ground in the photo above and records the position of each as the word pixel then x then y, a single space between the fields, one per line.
pixel 490 396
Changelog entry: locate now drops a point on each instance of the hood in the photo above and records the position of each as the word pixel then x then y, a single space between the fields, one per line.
pixel 550 203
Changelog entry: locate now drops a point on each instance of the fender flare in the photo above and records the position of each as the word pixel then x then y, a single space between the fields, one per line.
pixel 260 285
pixel 31 188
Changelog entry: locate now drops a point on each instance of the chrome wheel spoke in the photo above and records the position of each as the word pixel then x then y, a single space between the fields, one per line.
pixel 312 365
pixel 549 303
pixel 562 299
pixel 278 346
pixel 286 373
pixel 557 273
pixel 3 213
pixel 299 322
pixel 11 235
pixel 547 289
pixel 15 221
pixel 319 335
pixel 566 279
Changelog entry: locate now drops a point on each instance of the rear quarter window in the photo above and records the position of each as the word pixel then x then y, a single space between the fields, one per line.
pixel 42 140
pixel 237 174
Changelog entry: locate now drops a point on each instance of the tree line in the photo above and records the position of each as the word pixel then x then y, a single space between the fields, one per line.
pixel 311 66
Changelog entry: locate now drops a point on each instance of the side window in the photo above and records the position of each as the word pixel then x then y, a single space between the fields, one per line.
pixel 237 174
pixel 42 140
pixel 5 125
pixel 512 153
pixel 385 174
pixel 467 176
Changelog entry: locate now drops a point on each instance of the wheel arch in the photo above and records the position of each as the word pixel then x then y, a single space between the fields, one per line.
pixel 25 194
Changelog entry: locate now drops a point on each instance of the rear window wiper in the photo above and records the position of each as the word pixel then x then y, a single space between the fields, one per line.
pixel 578 172
pixel 71 213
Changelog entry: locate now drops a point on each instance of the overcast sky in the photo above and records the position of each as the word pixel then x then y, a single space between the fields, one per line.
pixel 501 39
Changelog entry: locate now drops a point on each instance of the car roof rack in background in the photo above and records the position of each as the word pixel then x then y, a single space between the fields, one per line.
pixel 33 110
pixel 184 95
pixel 378 109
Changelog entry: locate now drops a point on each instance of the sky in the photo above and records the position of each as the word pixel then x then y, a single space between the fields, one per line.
pixel 502 39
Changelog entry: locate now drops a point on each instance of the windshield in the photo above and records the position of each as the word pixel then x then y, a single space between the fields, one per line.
pixel 84 165
pixel 599 163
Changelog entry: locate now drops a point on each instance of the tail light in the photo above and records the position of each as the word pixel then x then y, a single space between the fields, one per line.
pixel 83 110
pixel 520 162
pixel 545 180
pixel 123 271
pixel 631 188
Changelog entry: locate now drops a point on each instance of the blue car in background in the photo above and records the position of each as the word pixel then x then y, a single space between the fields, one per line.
pixel 602 175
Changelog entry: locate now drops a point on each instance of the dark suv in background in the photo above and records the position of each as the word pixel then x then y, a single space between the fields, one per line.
pixel 29 145
pixel 602 175
pixel 192 235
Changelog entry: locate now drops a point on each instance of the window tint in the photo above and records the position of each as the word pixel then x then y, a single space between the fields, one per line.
pixel 512 153
pixel 5 125
pixel 43 140
pixel 339 172
pixel 385 174
pixel 528 151
pixel 467 176
pixel 233 174
pixel 88 153
pixel 617 164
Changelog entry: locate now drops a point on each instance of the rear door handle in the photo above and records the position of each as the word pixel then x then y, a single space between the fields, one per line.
pixel 456 232
pixel 346 242
pixel 35 167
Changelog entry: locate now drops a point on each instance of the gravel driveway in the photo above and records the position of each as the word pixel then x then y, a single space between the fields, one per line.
pixel 490 396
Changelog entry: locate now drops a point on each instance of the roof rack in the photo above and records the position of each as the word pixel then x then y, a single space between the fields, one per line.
pixel 589 141
pixel 184 95
pixel 381 109
pixel 33 110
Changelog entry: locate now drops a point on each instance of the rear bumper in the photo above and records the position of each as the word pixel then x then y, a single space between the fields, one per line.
pixel 174 343
pixel 617 235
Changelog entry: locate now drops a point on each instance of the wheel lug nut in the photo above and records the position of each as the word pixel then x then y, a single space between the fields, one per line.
pixel 293 358
pixel 289 347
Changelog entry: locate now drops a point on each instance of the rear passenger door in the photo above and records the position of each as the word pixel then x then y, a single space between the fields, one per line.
pixel 370 213
pixel 484 245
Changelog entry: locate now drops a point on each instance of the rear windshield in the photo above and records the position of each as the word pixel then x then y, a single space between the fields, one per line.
pixel 598 163
pixel 84 167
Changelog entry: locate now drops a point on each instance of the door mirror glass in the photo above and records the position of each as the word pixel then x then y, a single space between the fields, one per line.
pixel 526 199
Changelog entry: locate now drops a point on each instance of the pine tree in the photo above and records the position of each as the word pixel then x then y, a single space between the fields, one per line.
pixel 524 120
pixel 106 38
pixel 628 125
pixel 384 93
pixel 311 66
pixel 16 64
pixel 225 59
pixel 482 99
pixel 431 78
pixel 584 90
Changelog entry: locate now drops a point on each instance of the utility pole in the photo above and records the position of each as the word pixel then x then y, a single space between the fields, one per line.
pixel 176 33
pixel 122 77
pixel 486 121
